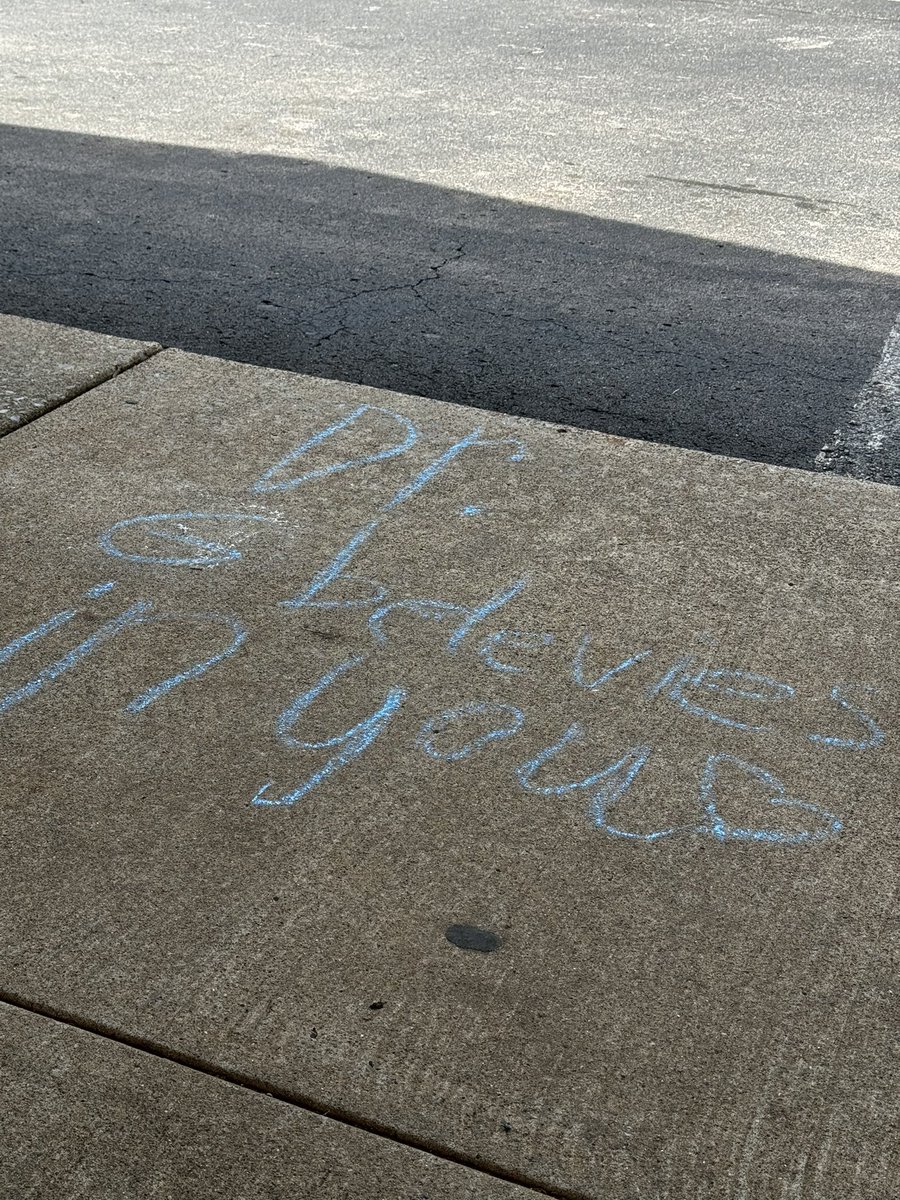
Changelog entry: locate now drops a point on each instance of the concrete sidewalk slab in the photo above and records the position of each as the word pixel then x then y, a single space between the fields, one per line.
pixel 43 365
pixel 526 792
pixel 83 1116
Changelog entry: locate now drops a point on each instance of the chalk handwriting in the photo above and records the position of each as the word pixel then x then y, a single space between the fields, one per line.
pixel 342 559
pixel 604 677
pixel 140 613
pixel 513 640
pixel 875 733
pixel 74 656
pixel 350 744
pixel 268 483
pixel 513 717
pixel 175 528
pixel 737 702
pixel 776 793
pixel 725 682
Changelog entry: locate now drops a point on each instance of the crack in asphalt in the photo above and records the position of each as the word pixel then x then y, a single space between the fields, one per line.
pixel 382 289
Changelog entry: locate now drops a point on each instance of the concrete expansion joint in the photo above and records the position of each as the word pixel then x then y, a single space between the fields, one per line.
pixel 249 1083
pixel 102 377
pixel 92 379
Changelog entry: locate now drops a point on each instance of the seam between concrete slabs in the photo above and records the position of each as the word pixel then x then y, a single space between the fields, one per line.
pixel 141 356
pixel 296 1100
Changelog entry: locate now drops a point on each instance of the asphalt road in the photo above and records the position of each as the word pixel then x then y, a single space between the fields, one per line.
pixel 675 221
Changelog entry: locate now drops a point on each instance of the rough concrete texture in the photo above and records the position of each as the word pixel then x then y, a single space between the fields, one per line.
pixel 42 365
pixel 671 221
pixel 84 1117
pixel 534 800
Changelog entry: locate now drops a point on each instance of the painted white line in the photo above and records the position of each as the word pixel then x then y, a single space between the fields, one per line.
pixel 867 445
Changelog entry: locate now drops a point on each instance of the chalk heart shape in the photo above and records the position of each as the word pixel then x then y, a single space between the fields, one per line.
pixel 730 781
pixel 185 539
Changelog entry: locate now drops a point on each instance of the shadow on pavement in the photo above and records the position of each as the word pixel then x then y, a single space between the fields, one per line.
pixel 443 293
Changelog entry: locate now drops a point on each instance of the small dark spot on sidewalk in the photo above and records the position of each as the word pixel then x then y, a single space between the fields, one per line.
pixel 377 1004
pixel 470 937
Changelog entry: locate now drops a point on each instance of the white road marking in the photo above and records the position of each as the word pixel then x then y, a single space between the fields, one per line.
pixel 867 445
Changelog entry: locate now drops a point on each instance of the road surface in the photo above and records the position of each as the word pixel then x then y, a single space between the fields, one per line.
pixel 674 221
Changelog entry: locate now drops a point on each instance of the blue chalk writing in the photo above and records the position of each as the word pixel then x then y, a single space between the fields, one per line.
pixel 351 743
pixel 465 730
pixel 615 782
pixel 428 610
pixel 440 464
pixel 437 610
pixel 215 553
pixel 377 594
pixel 527 771
pixel 137 614
pixel 345 555
pixel 99 589
pixel 425 740
pixel 334 570
pixel 609 784
pixel 476 615
pixel 594 685
pixel 875 736
pixel 673 672
pixel 34 635
pixel 265 483
pixel 777 796
pixel 707 714
pixel 717 680
pixel 130 616
pixel 515 639
pixel 722 680
pixel 152 694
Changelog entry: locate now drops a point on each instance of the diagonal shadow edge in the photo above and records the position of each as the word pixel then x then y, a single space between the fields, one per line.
pixel 437 292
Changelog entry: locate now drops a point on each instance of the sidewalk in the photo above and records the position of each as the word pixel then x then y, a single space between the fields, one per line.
pixel 515 805
pixel 42 366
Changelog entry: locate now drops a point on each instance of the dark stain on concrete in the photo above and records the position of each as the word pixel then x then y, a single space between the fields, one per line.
pixel 470 937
